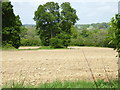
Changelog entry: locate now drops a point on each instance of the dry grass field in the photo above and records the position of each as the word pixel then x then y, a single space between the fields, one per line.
pixel 36 66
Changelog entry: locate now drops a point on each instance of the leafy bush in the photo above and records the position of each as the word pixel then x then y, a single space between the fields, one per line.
pixel 77 42
pixel 114 32
pixel 7 46
pixel 29 36
pixel 30 42
pixel 56 43
pixel 96 38
pixel 60 41
pixel 65 38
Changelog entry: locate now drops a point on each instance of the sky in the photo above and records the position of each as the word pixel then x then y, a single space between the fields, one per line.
pixel 88 11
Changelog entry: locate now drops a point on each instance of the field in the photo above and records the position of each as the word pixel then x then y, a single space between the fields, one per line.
pixel 39 66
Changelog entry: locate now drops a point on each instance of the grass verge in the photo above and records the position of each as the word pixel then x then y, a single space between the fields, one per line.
pixel 43 48
pixel 40 48
pixel 6 48
pixel 66 84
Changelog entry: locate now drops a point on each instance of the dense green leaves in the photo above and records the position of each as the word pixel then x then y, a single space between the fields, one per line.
pixel 29 36
pixel 56 43
pixel 93 26
pixel 47 19
pixel 61 40
pixel 10 26
pixel 52 22
pixel 55 28
pixel 68 13
pixel 114 32
pixel 90 38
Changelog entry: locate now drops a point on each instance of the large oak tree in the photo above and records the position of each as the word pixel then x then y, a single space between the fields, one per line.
pixel 52 20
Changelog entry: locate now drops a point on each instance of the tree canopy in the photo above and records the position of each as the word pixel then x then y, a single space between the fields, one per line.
pixel 10 26
pixel 52 20
pixel 115 32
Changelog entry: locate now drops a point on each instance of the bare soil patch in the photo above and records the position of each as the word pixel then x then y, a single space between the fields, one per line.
pixel 29 47
pixel 36 66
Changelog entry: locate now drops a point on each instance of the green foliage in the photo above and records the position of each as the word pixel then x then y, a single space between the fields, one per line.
pixel 114 32
pixel 50 22
pixel 47 17
pixel 23 31
pixel 10 26
pixel 82 36
pixel 13 84
pixel 93 26
pixel 110 84
pixel 74 32
pixel 7 47
pixel 65 37
pixel 65 84
pixel 56 43
pixel 90 38
pixel 98 38
pixel 68 17
pixel 45 47
pixel 10 36
pixel 30 42
pixel 60 41
pixel 29 36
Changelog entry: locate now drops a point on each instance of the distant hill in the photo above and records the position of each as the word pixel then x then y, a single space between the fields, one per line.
pixel 29 25
pixel 92 26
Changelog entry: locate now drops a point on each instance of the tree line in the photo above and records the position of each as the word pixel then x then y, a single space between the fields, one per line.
pixel 10 26
pixel 55 27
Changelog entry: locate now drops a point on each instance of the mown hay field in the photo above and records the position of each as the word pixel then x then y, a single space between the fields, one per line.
pixel 38 66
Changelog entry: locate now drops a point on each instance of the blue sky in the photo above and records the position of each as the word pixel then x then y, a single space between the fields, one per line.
pixel 89 11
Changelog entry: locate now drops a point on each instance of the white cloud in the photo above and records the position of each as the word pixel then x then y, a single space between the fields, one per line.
pixel 106 9
pixel 88 12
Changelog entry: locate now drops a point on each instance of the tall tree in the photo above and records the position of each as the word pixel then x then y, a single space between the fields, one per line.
pixel 10 26
pixel 47 19
pixel 50 21
pixel 115 32
pixel 68 17
pixel 115 37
